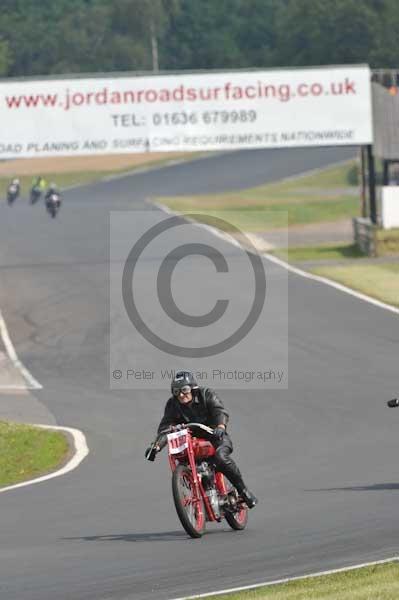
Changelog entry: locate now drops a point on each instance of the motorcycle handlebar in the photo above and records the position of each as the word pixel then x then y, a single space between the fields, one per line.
pixel 181 426
pixel 155 448
pixel 200 426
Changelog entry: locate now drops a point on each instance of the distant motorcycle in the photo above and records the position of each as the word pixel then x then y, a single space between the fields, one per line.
pixel 12 193
pixel 35 194
pixel 53 203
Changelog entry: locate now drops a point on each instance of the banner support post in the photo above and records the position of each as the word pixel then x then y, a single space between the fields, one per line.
pixel 372 186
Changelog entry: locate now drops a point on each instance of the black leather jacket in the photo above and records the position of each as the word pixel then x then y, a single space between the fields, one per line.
pixel 206 408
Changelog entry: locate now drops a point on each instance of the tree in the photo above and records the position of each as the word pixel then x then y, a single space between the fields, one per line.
pixel 201 35
pixel 77 36
pixel 255 32
pixel 5 58
pixel 146 20
pixel 314 32
pixel 385 53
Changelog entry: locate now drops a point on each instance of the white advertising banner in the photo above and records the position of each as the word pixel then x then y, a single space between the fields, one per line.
pixel 323 106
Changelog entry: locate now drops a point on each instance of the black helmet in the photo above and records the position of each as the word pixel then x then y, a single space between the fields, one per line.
pixel 181 380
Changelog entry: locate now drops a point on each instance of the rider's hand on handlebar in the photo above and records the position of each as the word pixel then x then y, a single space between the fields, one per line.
pixel 151 452
pixel 218 433
pixel 172 428
pixel 392 403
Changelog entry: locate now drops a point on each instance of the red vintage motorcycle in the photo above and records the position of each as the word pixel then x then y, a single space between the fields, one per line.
pixel 200 492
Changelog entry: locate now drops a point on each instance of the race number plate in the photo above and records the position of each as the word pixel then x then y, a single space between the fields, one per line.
pixel 177 441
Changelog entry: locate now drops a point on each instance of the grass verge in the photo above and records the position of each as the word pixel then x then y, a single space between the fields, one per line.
pixel 316 198
pixel 340 251
pixel 27 452
pixel 380 280
pixel 387 241
pixel 379 582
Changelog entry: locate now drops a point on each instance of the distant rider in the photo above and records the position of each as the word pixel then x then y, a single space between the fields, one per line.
pixel 39 183
pixel 14 189
pixel 192 403
pixel 16 184
pixel 52 194
pixel 38 187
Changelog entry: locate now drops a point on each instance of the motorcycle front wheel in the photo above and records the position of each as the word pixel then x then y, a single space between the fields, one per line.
pixel 191 512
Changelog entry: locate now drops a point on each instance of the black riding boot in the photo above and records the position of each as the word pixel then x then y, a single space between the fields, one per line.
pixel 226 465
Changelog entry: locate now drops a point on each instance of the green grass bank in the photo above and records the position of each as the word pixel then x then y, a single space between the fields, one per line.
pixel 329 195
pixel 27 452
pixel 379 582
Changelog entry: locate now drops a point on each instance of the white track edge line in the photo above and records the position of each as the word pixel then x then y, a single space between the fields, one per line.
pixel 81 451
pixel 332 283
pixel 33 384
pixel 288 579
pixel 286 265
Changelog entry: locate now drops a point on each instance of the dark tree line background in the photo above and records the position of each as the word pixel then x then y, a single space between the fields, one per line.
pixel 44 37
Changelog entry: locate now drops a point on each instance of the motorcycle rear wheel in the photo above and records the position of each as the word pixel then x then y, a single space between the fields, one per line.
pixel 190 512
pixel 237 521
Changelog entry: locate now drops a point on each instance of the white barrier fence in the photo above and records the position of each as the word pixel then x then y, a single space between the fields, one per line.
pixel 390 207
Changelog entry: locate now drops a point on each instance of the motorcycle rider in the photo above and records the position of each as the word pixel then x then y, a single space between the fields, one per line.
pixel 38 186
pixel 14 189
pixel 192 403
pixel 40 183
pixel 16 183
pixel 52 190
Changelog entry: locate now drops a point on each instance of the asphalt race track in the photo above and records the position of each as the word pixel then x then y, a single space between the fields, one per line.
pixel 322 456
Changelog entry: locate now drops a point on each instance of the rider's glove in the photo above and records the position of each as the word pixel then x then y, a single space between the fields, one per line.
pixel 218 433
pixel 393 403
pixel 151 453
